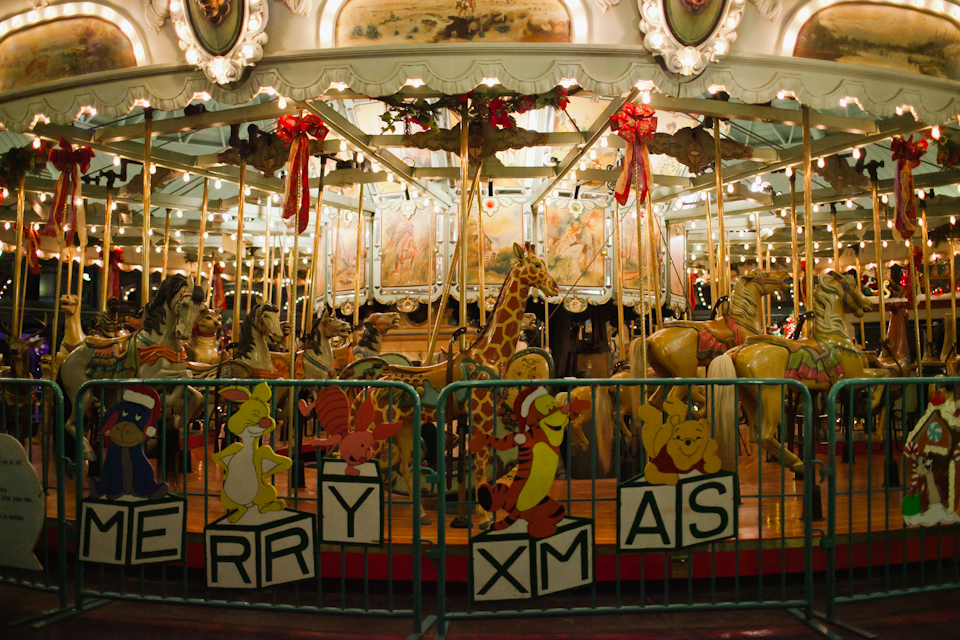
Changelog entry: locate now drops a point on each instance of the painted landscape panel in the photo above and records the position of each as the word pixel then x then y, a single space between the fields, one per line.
pixel 575 238
pixel 345 242
pixel 62 49
pixel 881 35
pixel 405 238
pixel 366 22
pixel 502 226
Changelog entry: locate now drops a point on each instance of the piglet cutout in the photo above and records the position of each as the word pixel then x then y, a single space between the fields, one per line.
pixel 357 445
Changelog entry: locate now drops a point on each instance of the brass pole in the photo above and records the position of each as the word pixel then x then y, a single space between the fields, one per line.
pixel 618 273
pixel 250 282
pixel 166 247
pixel 359 271
pixel 107 240
pixel 721 230
pixel 808 213
pixel 769 316
pixel 238 256
pixel 863 331
pixel 953 289
pixel 926 285
pixel 81 259
pixel 464 210
pixel 336 255
pixel 315 260
pixel 834 237
pixel 877 247
pixel 145 240
pixel 654 264
pixel 432 345
pixel 292 296
pixel 69 250
pixel 18 289
pixel 203 227
pixel 434 248
pixel 480 260
pixel 642 219
pixel 795 250
pixel 54 337
pixel 915 285
pixel 268 254
pixel 546 302
pixel 711 258
pixel 764 301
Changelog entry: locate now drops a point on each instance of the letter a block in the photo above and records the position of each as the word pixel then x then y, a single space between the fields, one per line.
pixel 657 517
pixel 132 532
pixel 273 548
pixel 511 565
pixel 352 506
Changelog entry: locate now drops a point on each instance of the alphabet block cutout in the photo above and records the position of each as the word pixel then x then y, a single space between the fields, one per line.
pixel 512 565
pixel 22 506
pixel 259 542
pixel 130 518
pixel 931 456
pixel 276 550
pixel 682 499
pixel 131 531
pixel 352 505
pixel 657 517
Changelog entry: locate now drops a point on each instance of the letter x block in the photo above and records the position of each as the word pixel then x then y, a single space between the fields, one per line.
pixel 132 532
pixel 352 506
pixel 510 565
pixel 274 548
pixel 657 517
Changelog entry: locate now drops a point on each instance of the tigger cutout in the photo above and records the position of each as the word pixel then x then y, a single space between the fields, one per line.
pixel 527 497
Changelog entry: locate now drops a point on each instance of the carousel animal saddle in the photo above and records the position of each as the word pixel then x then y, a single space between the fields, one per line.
pixel 112 357
pixel 714 337
pixel 809 359
pixel 428 381
pixel 228 369
pixel 281 362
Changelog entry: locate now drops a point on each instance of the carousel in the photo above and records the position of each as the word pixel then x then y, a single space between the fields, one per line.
pixel 389 198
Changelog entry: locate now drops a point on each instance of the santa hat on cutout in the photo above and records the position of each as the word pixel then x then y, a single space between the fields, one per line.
pixel 524 403
pixel 146 397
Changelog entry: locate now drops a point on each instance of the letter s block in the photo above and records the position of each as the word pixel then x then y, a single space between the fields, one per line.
pixel 708 508
pixel 276 548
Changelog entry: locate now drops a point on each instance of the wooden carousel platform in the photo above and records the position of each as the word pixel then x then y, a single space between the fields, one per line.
pixel 770 517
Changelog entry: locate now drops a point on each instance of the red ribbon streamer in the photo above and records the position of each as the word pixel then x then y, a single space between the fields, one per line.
pixel 219 299
pixel 907 154
pixel 70 162
pixel 636 124
pixel 31 248
pixel 116 259
pixel 296 133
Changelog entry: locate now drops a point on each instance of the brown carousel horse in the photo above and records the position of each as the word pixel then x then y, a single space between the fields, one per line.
pixel 676 350
pixel 818 362
pixel 486 359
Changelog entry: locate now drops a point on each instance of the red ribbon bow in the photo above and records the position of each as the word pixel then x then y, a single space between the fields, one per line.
pixel 296 133
pixel 636 124
pixel 907 154
pixel 116 259
pixel 70 162
pixel 219 299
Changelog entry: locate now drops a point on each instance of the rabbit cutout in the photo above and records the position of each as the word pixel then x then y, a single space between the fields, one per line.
pixel 356 446
pixel 247 464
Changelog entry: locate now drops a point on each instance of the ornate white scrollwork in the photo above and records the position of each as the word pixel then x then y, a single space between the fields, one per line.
pixel 681 58
pixel 245 52
pixel 606 5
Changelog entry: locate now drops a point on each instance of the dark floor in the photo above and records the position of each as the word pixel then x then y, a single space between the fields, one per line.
pixel 934 616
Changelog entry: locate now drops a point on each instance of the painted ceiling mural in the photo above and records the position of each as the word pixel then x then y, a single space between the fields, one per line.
pixel 366 22
pixel 882 35
pixel 62 49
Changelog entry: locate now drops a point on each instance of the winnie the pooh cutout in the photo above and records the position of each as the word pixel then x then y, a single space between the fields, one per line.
pixel 535 549
pixel 931 456
pixel 259 542
pixel 683 497
pixel 129 517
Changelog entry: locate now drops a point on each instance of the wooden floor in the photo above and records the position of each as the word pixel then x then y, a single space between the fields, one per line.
pixel 773 513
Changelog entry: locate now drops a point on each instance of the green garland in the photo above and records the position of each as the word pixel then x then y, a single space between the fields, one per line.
pixel 17 162
pixel 484 105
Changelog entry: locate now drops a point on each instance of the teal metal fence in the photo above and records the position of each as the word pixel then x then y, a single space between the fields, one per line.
pixel 872 551
pixel 31 412
pixel 349 579
pixel 749 568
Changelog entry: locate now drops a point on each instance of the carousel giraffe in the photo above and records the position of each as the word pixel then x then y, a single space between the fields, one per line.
pixel 485 359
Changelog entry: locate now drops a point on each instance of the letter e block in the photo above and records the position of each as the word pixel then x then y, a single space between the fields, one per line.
pixel 267 549
pixel 352 505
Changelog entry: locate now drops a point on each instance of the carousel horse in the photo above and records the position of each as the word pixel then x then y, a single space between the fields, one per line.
pixel 204 345
pixel 19 400
pixel 73 335
pixel 259 328
pixel 486 359
pixel 155 351
pixel 894 353
pixel 317 356
pixel 817 362
pixel 676 350
pixel 375 327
